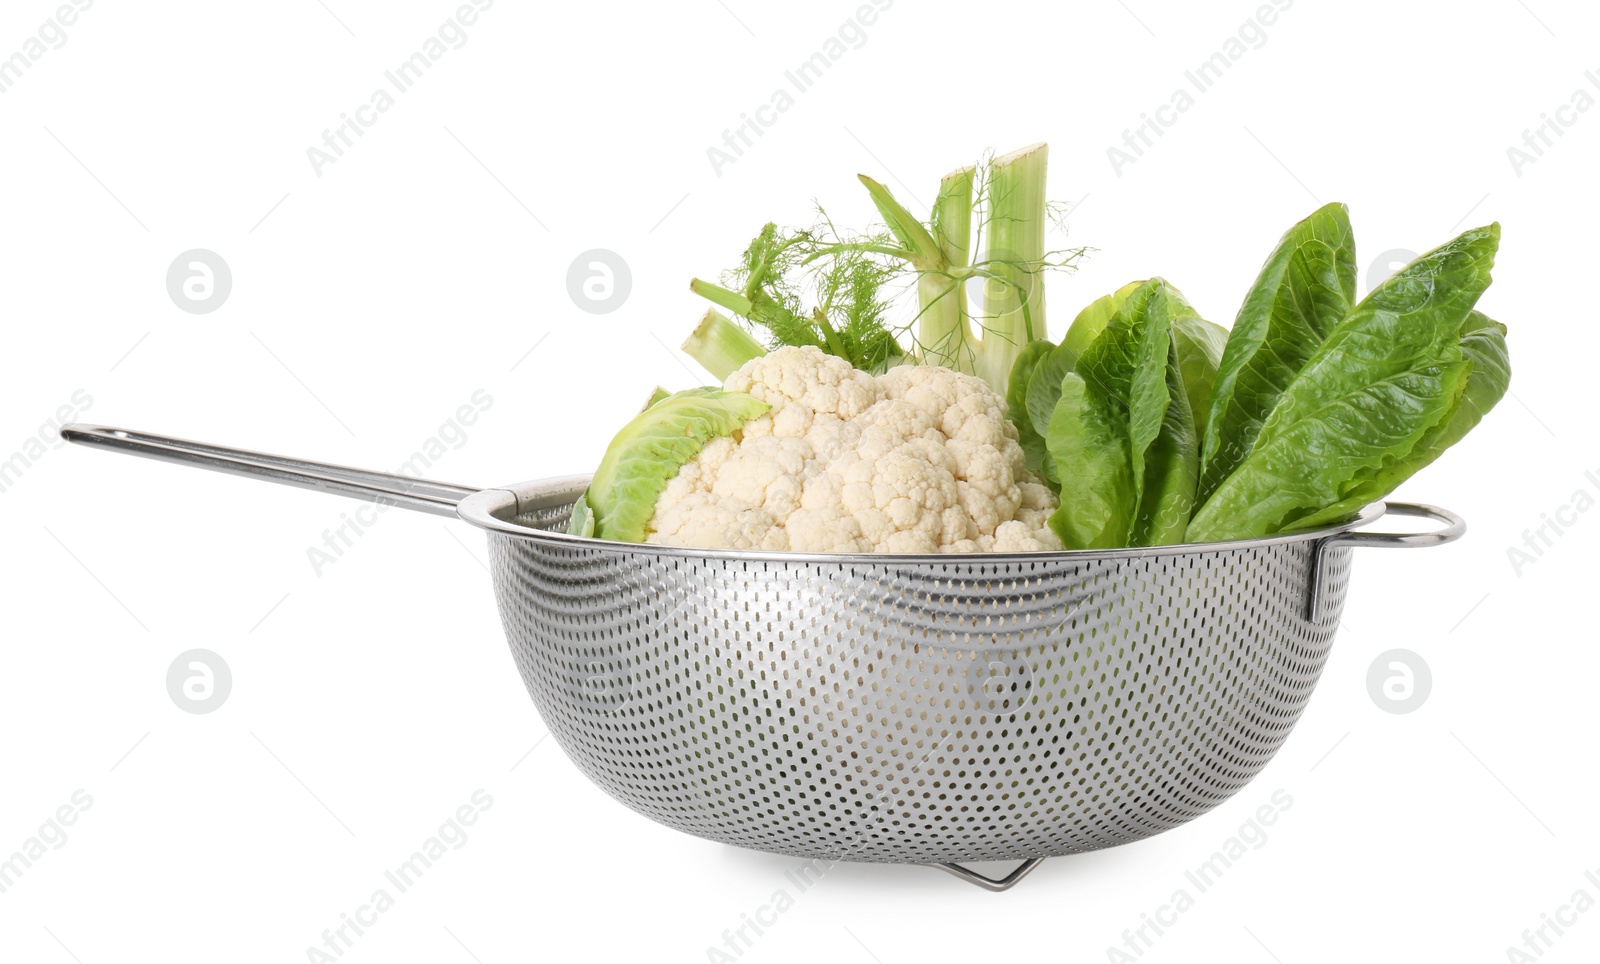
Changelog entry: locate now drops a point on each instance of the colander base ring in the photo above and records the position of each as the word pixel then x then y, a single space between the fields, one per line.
pixel 995 884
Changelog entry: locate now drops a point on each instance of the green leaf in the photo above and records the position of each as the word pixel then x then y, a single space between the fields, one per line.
pixel 1199 344
pixel 1044 385
pixel 1149 396
pixel 1386 377
pixel 1103 435
pixel 1303 291
pixel 912 234
pixel 1028 431
pixel 582 521
pixel 852 307
pixel 650 450
pixel 763 292
pixel 1092 320
pixel 1172 468
pixel 1088 439
pixel 846 275
pixel 1483 345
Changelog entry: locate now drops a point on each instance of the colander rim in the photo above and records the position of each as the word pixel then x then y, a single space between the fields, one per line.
pixel 495 510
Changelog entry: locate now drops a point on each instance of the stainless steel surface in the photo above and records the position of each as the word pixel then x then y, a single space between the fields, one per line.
pixel 439 498
pixel 933 710
pixel 1454 528
pixel 992 883
pixel 918 709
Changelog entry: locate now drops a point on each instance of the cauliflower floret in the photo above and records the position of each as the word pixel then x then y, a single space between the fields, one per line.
pixel 768 472
pixel 826 528
pixel 919 460
pixel 702 519
pixel 825 383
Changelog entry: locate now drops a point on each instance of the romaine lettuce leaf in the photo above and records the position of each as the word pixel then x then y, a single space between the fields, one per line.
pixel 1199 344
pixel 1045 383
pixel 1029 433
pixel 1088 440
pixel 1483 345
pixel 1092 320
pixel 1172 467
pixel 1122 435
pixel 1303 291
pixel 1387 378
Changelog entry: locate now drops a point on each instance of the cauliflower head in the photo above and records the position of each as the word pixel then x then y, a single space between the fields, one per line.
pixel 921 459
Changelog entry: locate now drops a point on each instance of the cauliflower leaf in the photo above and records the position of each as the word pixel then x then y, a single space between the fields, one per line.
pixel 649 451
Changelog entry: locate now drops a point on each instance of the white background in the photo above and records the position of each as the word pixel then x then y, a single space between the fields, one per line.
pixel 369 302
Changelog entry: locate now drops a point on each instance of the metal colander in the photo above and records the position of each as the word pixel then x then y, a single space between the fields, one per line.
pixel 911 709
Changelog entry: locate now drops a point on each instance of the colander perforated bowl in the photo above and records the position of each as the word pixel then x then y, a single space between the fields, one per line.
pixel 914 709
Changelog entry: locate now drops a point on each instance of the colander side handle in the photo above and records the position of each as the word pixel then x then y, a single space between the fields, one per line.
pixel 438 498
pixel 1454 528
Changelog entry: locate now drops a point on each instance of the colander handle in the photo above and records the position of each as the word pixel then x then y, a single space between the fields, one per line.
pixel 1454 528
pixel 438 498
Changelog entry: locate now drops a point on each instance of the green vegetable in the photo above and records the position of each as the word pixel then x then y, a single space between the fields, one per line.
pixel 1044 379
pixel 1172 469
pixel 1154 425
pixel 988 224
pixel 765 296
pixel 1088 438
pixel 720 346
pixel 1092 320
pixel 1044 383
pixel 1031 440
pixel 1305 289
pixel 582 521
pixel 1013 239
pixel 1122 433
pixel 848 320
pixel 1199 344
pixel 1483 345
pixel 648 452
pixel 1369 403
